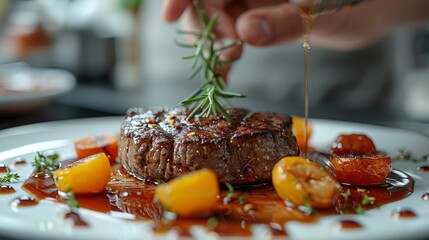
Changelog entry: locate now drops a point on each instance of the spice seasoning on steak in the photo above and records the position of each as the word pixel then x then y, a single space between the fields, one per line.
pixel 160 144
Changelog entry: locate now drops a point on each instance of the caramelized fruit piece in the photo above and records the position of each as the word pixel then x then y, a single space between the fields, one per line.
pixel 353 144
pixel 301 181
pixel 84 176
pixel 88 146
pixel 368 169
pixel 355 160
pixel 298 131
pixel 194 192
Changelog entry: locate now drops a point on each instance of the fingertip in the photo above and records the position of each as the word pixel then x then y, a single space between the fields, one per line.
pixel 270 25
pixel 173 9
pixel 255 30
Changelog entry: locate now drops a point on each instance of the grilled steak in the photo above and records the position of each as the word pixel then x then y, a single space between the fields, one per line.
pixel 161 144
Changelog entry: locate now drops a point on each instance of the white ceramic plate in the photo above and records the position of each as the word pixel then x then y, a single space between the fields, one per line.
pixel 43 221
pixel 24 89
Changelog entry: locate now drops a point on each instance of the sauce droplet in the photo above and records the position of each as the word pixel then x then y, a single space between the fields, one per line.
pixel 6 189
pixel 404 213
pixel 3 168
pixel 24 201
pixel 346 225
pixel 19 161
pixel 424 168
pixel 77 220
pixel 425 196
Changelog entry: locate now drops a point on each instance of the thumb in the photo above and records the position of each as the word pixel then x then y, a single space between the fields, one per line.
pixel 270 25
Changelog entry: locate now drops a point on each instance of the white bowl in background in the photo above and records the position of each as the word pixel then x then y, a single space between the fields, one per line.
pixel 26 89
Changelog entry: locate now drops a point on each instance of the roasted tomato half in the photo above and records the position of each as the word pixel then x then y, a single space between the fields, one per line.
pixel 355 160
pixel 353 144
pixel 370 169
pixel 88 146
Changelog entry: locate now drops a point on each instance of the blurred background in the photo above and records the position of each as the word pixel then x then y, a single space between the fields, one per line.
pixel 123 55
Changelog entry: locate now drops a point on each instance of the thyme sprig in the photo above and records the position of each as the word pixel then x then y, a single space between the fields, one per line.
pixel 207 99
pixel 44 164
pixel 9 177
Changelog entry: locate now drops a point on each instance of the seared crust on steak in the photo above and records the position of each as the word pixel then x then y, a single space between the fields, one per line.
pixel 160 144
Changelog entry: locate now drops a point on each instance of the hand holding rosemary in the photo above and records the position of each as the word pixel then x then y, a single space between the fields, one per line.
pixel 206 100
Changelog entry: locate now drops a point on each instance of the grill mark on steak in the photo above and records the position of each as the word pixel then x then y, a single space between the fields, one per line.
pixel 161 144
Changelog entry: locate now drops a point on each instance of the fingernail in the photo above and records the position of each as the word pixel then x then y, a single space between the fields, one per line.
pixel 257 31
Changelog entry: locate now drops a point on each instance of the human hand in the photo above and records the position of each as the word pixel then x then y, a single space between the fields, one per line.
pixel 270 22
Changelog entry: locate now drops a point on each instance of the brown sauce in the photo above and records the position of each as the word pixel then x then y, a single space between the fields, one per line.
pixel 346 224
pixel 24 201
pixel 6 189
pixel 424 168
pixel 4 168
pixel 425 196
pixel 404 213
pixel 19 161
pixel 129 198
pixel 76 219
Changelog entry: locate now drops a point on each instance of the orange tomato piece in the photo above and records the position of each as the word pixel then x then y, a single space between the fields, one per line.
pixel 361 169
pixel 298 130
pixel 84 176
pixel 301 181
pixel 191 193
pixel 353 144
pixel 88 146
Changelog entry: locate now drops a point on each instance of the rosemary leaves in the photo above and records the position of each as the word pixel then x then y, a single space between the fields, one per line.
pixel 210 97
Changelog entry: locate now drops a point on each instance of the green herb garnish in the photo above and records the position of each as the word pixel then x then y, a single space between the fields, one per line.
pixel 243 199
pixel 72 201
pixel 307 208
pixel 206 100
pixel 230 193
pixel 45 163
pixel 346 195
pixel 9 177
pixel 406 155
pixel 367 200
pixel 212 223
pixel 360 210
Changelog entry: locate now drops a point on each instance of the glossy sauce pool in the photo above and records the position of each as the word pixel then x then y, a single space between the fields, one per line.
pixel 131 198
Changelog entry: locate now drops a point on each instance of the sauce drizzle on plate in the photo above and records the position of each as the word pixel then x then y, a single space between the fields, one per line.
pixel 134 199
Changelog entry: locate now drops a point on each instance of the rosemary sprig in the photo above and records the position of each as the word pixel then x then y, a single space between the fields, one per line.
pixel 207 99
pixel 45 163
pixel 9 177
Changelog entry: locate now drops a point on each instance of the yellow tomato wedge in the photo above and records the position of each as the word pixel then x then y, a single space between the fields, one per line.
pixel 84 176
pixel 298 130
pixel 192 193
pixel 301 181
